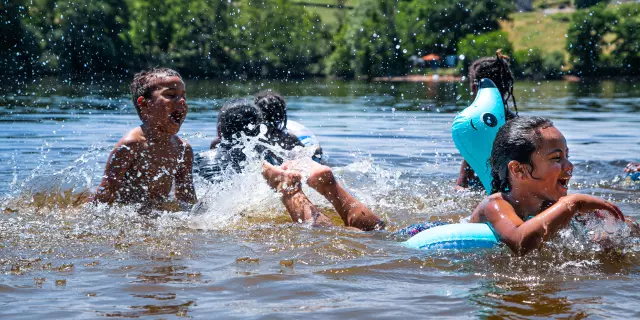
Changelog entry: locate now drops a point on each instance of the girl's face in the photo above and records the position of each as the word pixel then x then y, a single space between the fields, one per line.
pixel 552 169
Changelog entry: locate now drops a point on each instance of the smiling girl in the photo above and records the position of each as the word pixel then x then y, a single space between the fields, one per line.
pixel 531 170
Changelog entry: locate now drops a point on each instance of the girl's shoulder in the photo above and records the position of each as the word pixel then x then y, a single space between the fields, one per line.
pixel 486 205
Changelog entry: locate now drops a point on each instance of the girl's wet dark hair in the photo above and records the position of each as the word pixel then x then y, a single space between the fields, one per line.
pixel 516 140
pixel 236 116
pixel 497 69
pixel 273 108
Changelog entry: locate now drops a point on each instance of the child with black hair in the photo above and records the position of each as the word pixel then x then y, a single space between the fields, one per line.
pixel 238 121
pixel 274 111
pixel 497 70
pixel 151 159
pixel 531 170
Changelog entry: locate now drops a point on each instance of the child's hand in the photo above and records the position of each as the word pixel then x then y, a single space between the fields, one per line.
pixel 585 202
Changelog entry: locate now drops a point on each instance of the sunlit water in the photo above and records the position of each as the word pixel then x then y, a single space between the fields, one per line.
pixel 238 255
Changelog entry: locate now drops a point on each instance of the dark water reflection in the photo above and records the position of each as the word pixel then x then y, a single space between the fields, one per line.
pixel 389 142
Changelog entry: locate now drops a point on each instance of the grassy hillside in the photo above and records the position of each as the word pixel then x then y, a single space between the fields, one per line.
pixel 535 29
pixel 327 9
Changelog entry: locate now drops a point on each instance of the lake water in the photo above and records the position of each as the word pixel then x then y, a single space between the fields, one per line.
pixel 241 257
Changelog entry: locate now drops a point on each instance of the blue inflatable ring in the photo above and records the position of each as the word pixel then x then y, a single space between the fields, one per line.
pixel 475 128
pixel 455 236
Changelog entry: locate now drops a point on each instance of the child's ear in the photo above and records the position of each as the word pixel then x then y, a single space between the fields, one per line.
pixel 517 169
pixel 140 100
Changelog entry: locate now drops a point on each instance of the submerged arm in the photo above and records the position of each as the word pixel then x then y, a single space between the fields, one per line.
pixel 184 190
pixel 119 161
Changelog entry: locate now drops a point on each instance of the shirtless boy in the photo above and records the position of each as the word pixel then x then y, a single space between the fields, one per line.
pixel 147 160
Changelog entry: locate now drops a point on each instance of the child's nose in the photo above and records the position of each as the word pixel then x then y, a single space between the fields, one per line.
pixel 569 165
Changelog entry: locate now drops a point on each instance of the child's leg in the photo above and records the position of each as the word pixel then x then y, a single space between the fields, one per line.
pixel 353 212
pixel 298 205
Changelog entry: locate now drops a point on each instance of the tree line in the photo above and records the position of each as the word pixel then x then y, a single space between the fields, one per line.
pixel 282 39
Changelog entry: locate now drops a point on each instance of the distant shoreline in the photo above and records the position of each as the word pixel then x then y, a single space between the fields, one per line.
pixel 419 78
pixel 447 78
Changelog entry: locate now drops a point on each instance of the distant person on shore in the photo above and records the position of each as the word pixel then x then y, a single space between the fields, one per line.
pixel 147 160
pixel 288 182
pixel 496 69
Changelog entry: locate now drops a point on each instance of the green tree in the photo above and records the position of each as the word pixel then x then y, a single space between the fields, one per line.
pixel 535 64
pixel 627 37
pixel 438 26
pixel 190 36
pixel 473 47
pixel 89 36
pixel 369 43
pixel 278 39
pixel 585 41
pixel 19 50
pixel 581 4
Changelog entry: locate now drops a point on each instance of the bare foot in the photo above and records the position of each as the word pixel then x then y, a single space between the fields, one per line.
pixel 320 177
pixel 632 167
pixel 285 181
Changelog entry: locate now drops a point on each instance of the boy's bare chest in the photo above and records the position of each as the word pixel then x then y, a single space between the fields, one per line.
pixel 156 166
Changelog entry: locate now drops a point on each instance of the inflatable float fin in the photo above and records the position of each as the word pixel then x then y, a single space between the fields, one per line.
pixel 475 128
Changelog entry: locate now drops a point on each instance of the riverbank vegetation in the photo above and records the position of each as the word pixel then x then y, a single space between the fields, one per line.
pixel 309 38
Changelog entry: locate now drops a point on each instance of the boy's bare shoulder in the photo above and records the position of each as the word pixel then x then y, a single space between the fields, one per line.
pixel 183 144
pixel 132 140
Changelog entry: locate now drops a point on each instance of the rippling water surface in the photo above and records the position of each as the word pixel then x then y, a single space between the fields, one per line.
pixel 239 255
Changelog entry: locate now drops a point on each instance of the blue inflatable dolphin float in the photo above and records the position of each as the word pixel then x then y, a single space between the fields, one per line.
pixel 475 128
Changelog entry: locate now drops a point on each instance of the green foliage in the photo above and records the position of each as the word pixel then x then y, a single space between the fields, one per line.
pixel 627 40
pixel 585 41
pixel 535 64
pixel 438 26
pixel 474 47
pixel 188 36
pixel 581 4
pixel 19 50
pixel 278 39
pixel 369 43
pixel 86 37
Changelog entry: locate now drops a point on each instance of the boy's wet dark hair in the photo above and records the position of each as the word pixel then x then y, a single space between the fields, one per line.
pixel 516 140
pixel 142 84
pixel 273 108
pixel 497 69
pixel 236 116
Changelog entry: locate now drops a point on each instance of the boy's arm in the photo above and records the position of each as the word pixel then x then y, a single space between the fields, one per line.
pixel 119 161
pixel 184 190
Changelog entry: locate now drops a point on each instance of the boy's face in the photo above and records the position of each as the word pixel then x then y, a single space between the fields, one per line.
pixel 167 108
pixel 552 168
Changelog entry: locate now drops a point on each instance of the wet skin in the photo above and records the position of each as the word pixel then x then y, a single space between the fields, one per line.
pixel 540 192
pixel 354 213
pixel 148 159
